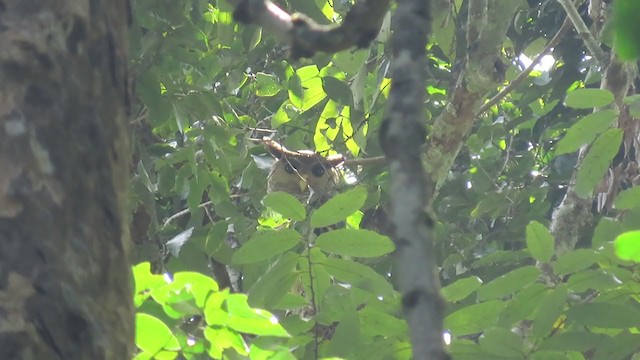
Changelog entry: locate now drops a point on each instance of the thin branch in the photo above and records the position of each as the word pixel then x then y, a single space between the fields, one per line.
pixel 359 27
pixel 584 32
pixel 523 75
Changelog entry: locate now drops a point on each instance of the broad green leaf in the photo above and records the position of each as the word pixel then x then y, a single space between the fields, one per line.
pixel 337 90
pixel 597 161
pixel 605 232
pixel 285 204
pixel 551 307
pixel 627 246
pixel 555 355
pixel 588 98
pixel 627 29
pixel 343 344
pixel 619 348
pixel 474 318
pixel 522 304
pixel 198 284
pixel 223 338
pixel 358 275
pixel 585 130
pixel 509 283
pixel 244 319
pixel 152 335
pixel 275 283
pixel 574 341
pixel 145 280
pixel 574 261
pixel 605 315
pixel 265 244
pixel 339 207
pixel 540 242
pixel 597 279
pixel 375 322
pixel 502 342
pixel 461 288
pixel 266 84
pixel 628 199
pixel 352 242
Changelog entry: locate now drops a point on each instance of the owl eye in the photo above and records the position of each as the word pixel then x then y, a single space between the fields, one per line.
pixel 317 170
pixel 289 169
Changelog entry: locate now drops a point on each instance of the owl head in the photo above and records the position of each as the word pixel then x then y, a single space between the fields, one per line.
pixel 302 172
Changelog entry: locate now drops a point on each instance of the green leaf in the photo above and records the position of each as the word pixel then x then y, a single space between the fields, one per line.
pixel 337 90
pixel 540 242
pixel 605 232
pixel 597 279
pixel 574 261
pixel 585 130
pixel 628 199
pixel 502 342
pixel 574 341
pixel 605 315
pixel 474 318
pixel 352 242
pixel 621 346
pixel 627 27
pixel 152 335
pixel 550 309
pixel 461 288
pixel 627 246
pixel 509 283
pixel 339 207
pixel 198 284
pixel 343 343
pixel 358 275
pixel 588 98
pixel 285 204
pixel 597 161
pixel 269 289
pixel 252 321
pixel 266 84
pixel 223 338
pixel 265 244
pixel 522 304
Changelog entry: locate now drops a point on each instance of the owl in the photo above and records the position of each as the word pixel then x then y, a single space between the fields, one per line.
pixel 304 173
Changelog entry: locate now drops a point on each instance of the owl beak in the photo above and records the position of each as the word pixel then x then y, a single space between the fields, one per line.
pixel 302 182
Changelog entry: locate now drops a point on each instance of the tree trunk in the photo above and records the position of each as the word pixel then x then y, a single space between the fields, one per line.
pixel 65 285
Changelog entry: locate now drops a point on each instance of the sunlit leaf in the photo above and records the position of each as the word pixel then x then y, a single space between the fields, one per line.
pixel 152 335
pixel 627 246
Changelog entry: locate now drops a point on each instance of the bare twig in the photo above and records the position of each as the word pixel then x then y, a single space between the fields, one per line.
pixel 584 32
pixel 523 75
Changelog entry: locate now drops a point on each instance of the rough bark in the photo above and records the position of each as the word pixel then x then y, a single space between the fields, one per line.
pixel 403 135
pixel 65 285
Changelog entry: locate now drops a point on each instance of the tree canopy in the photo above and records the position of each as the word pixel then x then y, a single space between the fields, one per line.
pixel 530 157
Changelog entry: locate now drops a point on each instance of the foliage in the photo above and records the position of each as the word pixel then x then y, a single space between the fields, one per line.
pixel 206 85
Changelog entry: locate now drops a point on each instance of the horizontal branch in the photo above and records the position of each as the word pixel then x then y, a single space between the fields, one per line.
pixel 306 37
